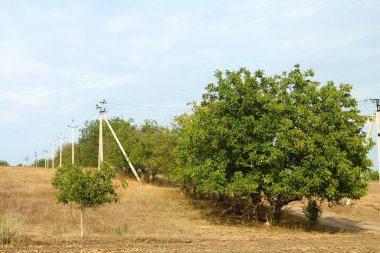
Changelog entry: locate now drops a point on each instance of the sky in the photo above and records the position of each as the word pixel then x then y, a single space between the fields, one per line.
pixel 148 59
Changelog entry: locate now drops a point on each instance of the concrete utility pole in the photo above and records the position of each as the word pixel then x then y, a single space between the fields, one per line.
pixel 102 116
pixel 102 110
pixel 47 158
pixel 377 120
pixel 60 148
pixel 26 160
pixel 72 126
pixel 52 153
pixel 45 151
pixel 121 148
pixel 35 159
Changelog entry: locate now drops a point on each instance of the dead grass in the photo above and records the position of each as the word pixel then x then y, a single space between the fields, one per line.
pixel 147 219
pixel 144 210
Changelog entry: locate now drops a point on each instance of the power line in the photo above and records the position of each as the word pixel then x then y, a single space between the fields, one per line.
pixel 149 107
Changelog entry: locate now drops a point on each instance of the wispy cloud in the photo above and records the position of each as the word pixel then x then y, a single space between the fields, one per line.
pixel 32 97
pixel 103 82
pixel 58 59
pixel 301 12
pixel 123 23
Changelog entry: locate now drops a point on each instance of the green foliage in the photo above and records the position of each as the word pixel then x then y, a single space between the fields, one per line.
pixel 150 146
pixel 41 163
pixel 88 143
pixel 86 188
pixel 4 163
pixel 154 150
pixel 6 235
pixel 283 137
pixel 66 155
pixel 373 175
pixel 312 211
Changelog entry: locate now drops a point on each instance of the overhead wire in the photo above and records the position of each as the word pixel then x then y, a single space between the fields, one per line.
pixel 150 107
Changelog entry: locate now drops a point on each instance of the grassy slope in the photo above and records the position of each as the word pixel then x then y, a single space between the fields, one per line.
pixel 147 218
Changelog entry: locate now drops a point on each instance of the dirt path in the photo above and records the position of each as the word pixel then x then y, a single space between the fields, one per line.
pixel 362 216
pixel 343 222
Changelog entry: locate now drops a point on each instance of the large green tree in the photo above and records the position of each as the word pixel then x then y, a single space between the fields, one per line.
pixel 150 147
pixel 154 150
pixel 274 138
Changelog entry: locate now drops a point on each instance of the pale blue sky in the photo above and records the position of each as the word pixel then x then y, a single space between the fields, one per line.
pixel 59 58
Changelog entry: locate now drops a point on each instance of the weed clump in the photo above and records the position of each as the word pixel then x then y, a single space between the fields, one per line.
pixel 11 230
pixel 312 212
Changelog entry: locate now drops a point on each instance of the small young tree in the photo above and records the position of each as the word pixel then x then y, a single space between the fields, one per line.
pixel 85 188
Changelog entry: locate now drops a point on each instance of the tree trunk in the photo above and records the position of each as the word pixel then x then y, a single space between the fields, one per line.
pixel 276 213
pixel 276 203
pixel 81 221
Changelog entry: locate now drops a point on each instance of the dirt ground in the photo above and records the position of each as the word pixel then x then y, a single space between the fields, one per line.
pixel 161 219
pixel 360 216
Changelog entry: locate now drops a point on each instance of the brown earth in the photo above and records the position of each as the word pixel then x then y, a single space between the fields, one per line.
pixel 161 219
pixel 360 216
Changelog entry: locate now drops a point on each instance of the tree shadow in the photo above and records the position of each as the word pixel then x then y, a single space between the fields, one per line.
pixel 295 219
pixel 215 212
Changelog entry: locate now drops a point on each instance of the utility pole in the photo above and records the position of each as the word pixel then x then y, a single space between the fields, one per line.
pixel 72 126
pixel 35 159
pixel 60 148
pixel 102 110
pixel 52 153
pixel 26 160
pixel 46 158
pixel 102 116
pixel 377 120
pixel 121 148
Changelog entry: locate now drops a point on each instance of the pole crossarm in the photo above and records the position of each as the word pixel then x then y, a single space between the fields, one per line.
pixel 377 101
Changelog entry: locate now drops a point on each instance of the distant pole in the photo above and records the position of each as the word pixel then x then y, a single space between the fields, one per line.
pixel 26 160
pixel 377 119
pixel 47 158
pixel 45 151
pixel 72 126
pixel 53 146
pixel 51 155
pixel 60 148
pixel 378 136
pixel 100 107
pixel 35 159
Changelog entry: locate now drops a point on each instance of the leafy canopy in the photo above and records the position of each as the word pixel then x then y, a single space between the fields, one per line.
pixel 86 188
pixel 283 137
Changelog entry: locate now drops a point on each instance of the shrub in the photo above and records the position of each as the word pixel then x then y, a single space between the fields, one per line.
pixel 312 211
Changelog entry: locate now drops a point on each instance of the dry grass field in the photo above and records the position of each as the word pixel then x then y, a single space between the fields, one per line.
pixel 161 219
